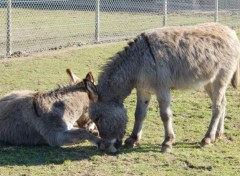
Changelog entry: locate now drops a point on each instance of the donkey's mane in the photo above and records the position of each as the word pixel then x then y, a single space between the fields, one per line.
pixel 62 90
pixel 115 81
pixel 54 95
pixel 116 61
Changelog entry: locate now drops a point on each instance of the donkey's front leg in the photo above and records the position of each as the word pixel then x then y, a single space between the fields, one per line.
pixel 164 100
pixel 70 137
pixel 143 99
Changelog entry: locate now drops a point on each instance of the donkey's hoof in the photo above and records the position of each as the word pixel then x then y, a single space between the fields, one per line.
pixel 130 142
pixel 166 148
pixel 206 141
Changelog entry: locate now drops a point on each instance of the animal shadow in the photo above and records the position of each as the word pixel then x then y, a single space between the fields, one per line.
pixel 44 155
pixel 187 145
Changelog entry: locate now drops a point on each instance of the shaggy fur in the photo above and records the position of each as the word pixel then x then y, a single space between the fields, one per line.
pixel 101 115
pixel 194 57
pixel 34 118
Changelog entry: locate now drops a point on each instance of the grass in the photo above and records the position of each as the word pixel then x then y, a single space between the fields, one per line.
pixel 36 29
pixel 192 113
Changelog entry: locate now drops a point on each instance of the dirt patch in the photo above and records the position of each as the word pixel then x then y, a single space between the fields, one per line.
pixel 188 165
pixel 19 55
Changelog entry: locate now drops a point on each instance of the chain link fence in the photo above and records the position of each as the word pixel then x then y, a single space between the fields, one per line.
pixel 36 25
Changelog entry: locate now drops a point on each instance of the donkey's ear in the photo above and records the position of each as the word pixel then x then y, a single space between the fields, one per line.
pixel 73 77
pixel 92 90
pixel 89 76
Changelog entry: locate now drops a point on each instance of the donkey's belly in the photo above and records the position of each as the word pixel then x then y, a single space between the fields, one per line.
pixel 197 85
pixel 193 78
pixel 19 133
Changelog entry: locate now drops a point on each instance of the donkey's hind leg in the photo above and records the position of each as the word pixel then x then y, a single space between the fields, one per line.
pixel 143 99
pixel 164 100
pixel 220 127
pixel 70 137
pixel 218 111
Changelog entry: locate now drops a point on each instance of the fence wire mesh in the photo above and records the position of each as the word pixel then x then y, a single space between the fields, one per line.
pixel 48 24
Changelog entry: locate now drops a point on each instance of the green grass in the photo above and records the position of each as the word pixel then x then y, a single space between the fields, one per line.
pixel 191 118
pixel 33 30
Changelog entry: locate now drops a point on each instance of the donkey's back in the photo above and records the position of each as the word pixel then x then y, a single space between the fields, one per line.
pixel 191 57
pixel 15 114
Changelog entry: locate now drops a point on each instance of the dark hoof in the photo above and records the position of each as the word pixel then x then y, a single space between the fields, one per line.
pixel 130 142
pixel 166 148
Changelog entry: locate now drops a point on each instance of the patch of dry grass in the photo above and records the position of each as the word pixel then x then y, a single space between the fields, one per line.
pixel 191 118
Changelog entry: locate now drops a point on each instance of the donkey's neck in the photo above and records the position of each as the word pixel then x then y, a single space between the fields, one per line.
pixel 70 98
pixel 115 90
pixel 61 93
pixel 120 74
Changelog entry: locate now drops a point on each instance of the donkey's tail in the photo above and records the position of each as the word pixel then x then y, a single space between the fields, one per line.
pixel 236 77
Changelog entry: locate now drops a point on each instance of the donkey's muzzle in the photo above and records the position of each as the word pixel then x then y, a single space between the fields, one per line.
pixel 118 144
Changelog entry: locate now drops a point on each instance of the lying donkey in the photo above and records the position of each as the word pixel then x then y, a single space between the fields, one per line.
pixel 204 56
pixel 34 118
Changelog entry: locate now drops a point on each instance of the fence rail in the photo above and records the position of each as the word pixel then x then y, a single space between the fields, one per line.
pixel 36 25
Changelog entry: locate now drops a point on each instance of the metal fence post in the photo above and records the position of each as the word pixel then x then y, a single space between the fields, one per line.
pixel 97 22
pixel 216 11
pixel 165 12
pixel 9 18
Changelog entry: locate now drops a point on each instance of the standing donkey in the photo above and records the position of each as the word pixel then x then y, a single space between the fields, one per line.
pixel 202 56
pixel 35 118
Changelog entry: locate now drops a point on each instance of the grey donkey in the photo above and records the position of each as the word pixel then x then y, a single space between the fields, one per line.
pixel 204 56
pixel 36 118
